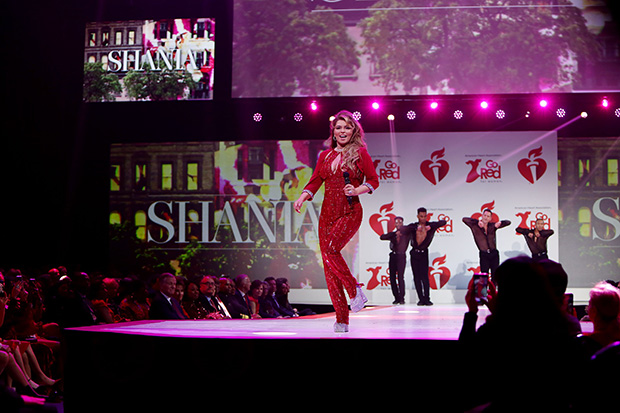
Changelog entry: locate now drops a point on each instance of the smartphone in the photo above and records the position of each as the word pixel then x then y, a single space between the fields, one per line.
pixel 481 287
pixel 569 301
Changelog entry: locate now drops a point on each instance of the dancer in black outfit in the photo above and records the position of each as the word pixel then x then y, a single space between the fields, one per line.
pixel 399 242
pixel 422 233
pixel 483 230
pixel 536 239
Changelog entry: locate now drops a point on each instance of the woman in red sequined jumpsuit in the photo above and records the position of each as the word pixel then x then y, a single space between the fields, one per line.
pixel 341 212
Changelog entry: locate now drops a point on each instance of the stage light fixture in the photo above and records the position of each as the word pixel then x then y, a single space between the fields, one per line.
pixel 584 114
pixel 375 105
pixel 458 114
pixel 298 117
pixel 390 117
pixel 605 102
pixel 411 115
pixel 617 112
pixel 357 115
pixel 257 117
pixel 313 106
pixel 527 114
pixel 543 103
pixel 500 114
pixel 560 112
pixel 434 105
pixel 484 104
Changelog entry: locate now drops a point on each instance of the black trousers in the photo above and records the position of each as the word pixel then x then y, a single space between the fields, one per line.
pixel 397 265
pixel 489 261
pixel 419 266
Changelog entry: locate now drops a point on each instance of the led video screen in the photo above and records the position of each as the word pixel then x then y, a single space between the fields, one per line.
pixel 413 47
pixel 149 60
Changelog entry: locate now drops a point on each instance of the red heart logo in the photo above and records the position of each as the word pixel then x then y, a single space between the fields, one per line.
pixel 383 222
pixel 438 273
pixel 435 169
pixel 532 168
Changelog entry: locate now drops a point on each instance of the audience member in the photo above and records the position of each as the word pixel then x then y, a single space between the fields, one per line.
pixel 192 304
pixel 208 295
pixel 282 291
pixel 136 303
pixel 239 303
pixel 271 307
pixel 255 297
pixel 164 306
pixel 604 313
pixel 558 281
pixel 523 361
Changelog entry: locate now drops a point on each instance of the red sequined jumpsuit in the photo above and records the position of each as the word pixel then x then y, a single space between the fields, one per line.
pixel 339 222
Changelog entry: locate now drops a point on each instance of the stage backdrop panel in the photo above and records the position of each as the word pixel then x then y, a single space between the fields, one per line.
pixel 456 175
pixel 225 208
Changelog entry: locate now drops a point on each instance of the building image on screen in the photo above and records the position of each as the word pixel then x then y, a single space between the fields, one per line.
pixel 149 60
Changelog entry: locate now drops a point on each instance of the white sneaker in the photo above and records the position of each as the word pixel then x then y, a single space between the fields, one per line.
pixel 358 302
pixel 341 328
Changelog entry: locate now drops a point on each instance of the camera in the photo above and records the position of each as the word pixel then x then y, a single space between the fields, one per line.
pixel 481 287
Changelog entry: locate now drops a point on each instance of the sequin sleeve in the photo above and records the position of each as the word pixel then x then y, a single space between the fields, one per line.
pixel 316 180
pixel 367 167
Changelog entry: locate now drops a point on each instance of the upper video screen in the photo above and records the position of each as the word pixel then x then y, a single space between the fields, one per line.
pixel 284 48
pixel 149 60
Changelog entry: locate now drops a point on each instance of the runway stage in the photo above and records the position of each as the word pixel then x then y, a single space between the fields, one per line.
pixel 297 361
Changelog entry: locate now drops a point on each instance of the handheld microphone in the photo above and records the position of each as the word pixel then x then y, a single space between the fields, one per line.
pixel 346 182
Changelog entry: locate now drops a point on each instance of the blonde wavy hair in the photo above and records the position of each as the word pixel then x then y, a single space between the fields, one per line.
pixel 351 152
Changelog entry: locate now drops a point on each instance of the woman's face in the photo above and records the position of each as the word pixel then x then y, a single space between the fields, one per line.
pixel 193 291
pixel 343 133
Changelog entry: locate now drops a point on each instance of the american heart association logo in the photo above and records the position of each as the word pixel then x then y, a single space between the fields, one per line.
pixel 435 168
pixel 533 167
pixel 383 221
pixel 438 274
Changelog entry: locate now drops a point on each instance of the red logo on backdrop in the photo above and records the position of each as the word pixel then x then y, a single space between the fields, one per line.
pixel 531 224
pixel 435 169
pixel 490 205
pixel 448 226
pixel 524 216
pixel 438 272
pixel 383 221
pixel 391 170
pixel 376 280
pixel 489 170
pixel 533 167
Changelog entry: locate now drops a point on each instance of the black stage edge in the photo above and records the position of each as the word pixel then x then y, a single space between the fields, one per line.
pixel 108 372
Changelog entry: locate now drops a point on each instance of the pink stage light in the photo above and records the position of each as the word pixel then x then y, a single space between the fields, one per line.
pixel 314 106
pixel 434 105
pixel 605 102
pixel 543 103
pixel 375 105
pixel 484 104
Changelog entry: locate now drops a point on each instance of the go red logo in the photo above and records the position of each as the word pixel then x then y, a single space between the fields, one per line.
pixel 490 170
pixel 390 170
pixel 533 167
pixel 435 169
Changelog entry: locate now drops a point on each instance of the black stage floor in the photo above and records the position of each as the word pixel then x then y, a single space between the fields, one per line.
pixel 394 357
